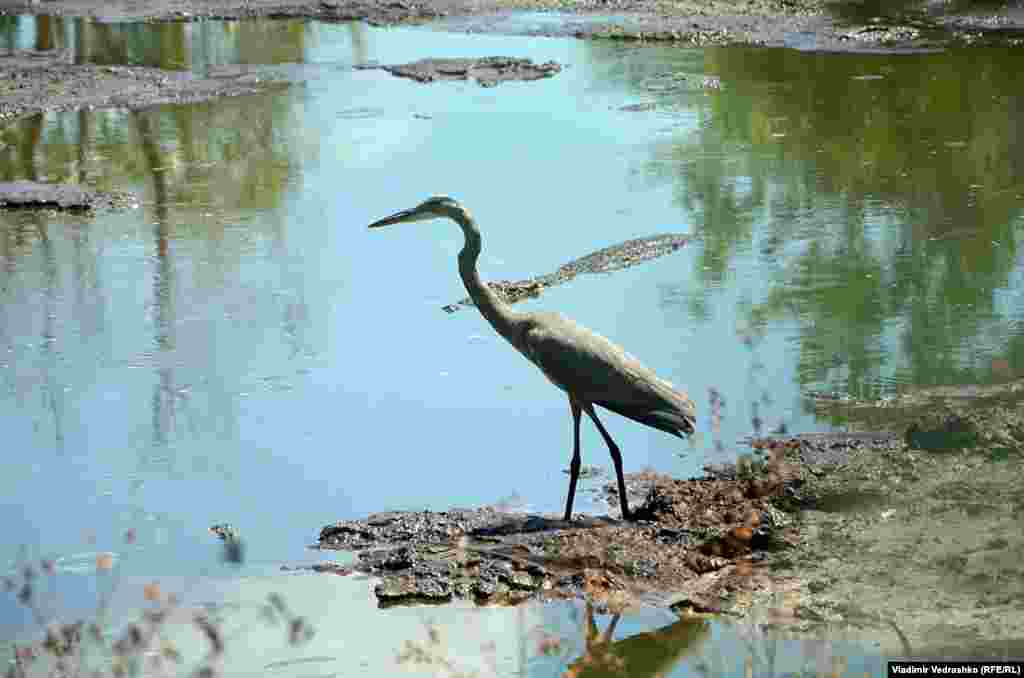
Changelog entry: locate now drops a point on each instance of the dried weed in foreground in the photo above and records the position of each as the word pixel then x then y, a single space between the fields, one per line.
pixel 89 648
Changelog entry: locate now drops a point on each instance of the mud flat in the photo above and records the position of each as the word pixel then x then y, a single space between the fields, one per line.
pixel 910 538
pixel 807 24
pixel 35 82
pixel 915 539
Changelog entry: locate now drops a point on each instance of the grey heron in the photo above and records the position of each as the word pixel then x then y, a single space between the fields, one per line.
pixel 590 369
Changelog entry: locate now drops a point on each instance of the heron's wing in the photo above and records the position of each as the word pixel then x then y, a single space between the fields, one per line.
pixel 595 370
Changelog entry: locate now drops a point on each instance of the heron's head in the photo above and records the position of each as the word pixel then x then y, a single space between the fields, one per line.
pixel 431 208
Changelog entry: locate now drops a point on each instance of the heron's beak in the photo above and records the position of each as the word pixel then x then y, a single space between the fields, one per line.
pixel 402 217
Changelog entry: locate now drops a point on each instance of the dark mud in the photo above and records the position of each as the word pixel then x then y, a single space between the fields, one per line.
pixel 36 195
pixel 692 540
pixel 606 260
pixel 914 538
pixel 33 82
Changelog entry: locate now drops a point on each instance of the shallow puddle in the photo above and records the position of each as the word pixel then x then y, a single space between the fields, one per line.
pixel 242 349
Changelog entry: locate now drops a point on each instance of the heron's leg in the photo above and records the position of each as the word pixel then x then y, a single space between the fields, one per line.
pixel 574 465
pixel 616 459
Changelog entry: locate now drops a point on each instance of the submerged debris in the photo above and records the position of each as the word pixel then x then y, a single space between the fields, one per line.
pixel 605 260
pixel 487 71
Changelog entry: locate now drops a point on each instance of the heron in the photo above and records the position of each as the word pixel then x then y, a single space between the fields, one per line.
pixel 589 368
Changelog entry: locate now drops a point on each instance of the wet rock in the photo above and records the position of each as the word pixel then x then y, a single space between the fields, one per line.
pixel 486 71
pixel 398 527
pixel 37 195
pixel 389 560
pixel 605 260
pixel 407 589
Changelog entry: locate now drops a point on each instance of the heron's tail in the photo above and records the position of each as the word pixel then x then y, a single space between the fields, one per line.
pixel 676 423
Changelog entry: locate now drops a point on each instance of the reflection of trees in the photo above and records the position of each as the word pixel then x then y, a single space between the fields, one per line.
pixel 235 153
pixel 164 321
pixel 166 44
pixel 53 390
pixel 30 322
pixel 198 169
pixel 889 188
pixel 360 43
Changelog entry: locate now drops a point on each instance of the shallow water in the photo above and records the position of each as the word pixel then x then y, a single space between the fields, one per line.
pixel 241 349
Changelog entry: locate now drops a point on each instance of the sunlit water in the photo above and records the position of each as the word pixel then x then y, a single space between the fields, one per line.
pixel 241 349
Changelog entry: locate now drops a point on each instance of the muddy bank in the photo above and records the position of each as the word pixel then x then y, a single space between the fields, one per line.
pixel 605 260
pixel 805 24
pixel 33 82
pixel 916 541
pixel 693 540
pixel 885 536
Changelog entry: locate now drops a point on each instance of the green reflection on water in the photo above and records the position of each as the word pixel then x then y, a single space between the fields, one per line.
pixel 169 45
pixel 883 193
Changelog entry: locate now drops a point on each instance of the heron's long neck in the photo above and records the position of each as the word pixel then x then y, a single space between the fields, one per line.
pixel 492 307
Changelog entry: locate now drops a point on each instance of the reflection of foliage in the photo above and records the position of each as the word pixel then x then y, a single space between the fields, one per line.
pixel 889 187
pixel 233 153
pixel 174 45
pixel 198 168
